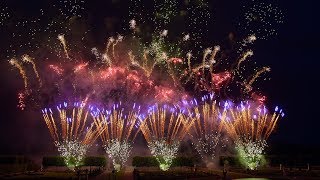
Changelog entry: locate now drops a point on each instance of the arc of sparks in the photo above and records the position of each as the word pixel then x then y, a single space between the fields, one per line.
pixel 22 72
pixel 248 85
pixel 27 58
pixel 64 44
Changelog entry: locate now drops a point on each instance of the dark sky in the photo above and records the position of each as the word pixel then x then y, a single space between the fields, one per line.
pixel 292 55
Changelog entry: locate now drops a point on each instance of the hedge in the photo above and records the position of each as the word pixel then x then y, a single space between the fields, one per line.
pixel 183 161
pixel 13 160
pixel 275 160
pixel 88 161
pixel 53 161
pixel 150 161
pixel 100 161
pixel 17 164
pixel 231 160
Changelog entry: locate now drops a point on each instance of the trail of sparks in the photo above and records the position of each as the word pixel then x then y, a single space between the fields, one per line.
pixel 27 58
pixel 248 85
pixel 64 44
pixel 106 57
pixel 22 72
pixel 244 57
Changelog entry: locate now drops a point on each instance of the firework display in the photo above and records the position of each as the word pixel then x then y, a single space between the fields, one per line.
pixel 163 69
pixel 120 129
pixel 164 129
pixel 250 127
pixel 145 71
pixel 71 131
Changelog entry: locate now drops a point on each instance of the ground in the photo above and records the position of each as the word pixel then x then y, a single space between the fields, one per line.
pixel 175 173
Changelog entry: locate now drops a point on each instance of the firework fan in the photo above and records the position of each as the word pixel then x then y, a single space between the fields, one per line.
pixel 71 131
pixel 120 129
pixel 250 127
pixel 207 133
pixel 164 129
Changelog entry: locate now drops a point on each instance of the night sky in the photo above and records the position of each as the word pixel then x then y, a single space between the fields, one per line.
pixel 292 55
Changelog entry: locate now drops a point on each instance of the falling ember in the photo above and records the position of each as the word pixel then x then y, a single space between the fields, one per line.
pixel 56 69
pixel 22 72
pixel 106 58
pixel 175 60
pixel 189 55
pixel 212 59
pixel 27 58
pixel 206 53
pixel 80 67
pixel 251 38
pixel 21 103
pixel 111 72
pixel 96 53
pixel 64 44
pixel 244 57
pixel 220 78
pixel 186 37
pixel 261 99
pixel 132 24
pixel 164 33
pixel 164 94
pixel 248 84
pixel 119 39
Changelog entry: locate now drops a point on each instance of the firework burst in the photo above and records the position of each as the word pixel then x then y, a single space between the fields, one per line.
pixel 224 78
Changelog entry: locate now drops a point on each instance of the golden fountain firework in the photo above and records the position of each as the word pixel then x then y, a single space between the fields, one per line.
pixel 71 131
pixel 207 132
pixel 164 129
pixel 250 127
pixel 120 129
